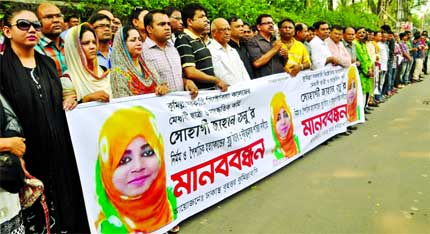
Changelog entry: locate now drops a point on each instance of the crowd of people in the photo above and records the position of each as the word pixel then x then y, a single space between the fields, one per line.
pixel 50 64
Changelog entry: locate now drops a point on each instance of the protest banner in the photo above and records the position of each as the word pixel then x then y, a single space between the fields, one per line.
pixel 146 163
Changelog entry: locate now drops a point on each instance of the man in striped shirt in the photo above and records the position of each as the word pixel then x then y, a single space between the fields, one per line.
pixel 50 43
pixel 196 59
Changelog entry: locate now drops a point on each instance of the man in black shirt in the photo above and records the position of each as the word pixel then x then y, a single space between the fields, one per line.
pixel 237 42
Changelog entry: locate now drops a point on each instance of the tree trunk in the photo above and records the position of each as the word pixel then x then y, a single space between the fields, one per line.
pixel 372 6
pixel 330 5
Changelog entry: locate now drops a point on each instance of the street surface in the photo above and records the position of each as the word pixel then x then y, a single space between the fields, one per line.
pixel 376 180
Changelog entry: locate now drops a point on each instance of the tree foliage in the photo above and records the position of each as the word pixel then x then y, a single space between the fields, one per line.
pixel 346 12
pixel 300 11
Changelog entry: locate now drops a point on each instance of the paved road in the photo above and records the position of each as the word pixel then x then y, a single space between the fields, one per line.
pixel 376 180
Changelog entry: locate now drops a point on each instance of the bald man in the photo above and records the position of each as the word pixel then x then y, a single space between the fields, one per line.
pixel 226 61
pixel 50 43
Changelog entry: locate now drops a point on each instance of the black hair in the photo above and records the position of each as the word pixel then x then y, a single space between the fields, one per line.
pixel 417 35
pixel 286 20
pixel 10 13
pixel 299 27
pixel 233 19
pixel 135 13
pixel 317 24
pixel 96 17
pixel 386 28
pixel 125 31
pixel 338 27
pixel 85 28
pixel 260 18
pixel 189 11
pixel 69 17
pixel 147 20
pixel 402 35
pixel 170 9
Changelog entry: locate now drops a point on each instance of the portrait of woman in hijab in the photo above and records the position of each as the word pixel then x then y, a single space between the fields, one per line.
pixel 286 143
pixel 352 95
pixel 131 175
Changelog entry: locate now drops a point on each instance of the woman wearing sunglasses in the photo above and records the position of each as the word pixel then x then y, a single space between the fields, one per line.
pixel 29 81
pixel 130 74
pixel 84 80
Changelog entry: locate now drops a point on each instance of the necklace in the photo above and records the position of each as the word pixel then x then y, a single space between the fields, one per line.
pixel 36 80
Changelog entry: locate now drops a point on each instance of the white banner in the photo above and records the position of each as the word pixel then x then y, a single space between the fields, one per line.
pixel 146 163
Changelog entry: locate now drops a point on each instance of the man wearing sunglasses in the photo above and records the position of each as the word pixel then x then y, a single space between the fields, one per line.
pixel 50 43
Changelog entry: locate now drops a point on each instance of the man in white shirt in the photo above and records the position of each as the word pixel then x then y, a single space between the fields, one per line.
pixel 380 39
pixel 226 61
pixel 320 53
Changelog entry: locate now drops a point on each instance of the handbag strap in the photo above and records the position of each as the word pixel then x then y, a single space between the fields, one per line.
pixel 46 211
pixel 45 208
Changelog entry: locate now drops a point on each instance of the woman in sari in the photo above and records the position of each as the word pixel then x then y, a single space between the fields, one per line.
pixel 286 143
pixel 131 175
pixel 84 80
pixel 29 81
pixel 130 74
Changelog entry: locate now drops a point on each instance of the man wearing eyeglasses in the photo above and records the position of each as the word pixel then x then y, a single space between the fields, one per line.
pixel 103 29
pixel 50 43
pixel 176 23
pixel 267 55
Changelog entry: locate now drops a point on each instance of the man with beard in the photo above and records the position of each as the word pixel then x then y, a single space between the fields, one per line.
pixel 267 55
pixel 160 52
pixel 298 56
pixel 102 26
pixel 237 41
pixel 50 43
